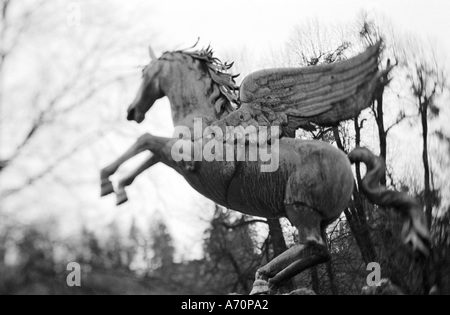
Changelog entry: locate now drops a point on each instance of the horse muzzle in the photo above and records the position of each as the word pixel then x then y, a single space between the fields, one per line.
pixel 135 115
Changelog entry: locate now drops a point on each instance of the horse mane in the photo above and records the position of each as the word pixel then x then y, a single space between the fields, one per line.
pixel 225 90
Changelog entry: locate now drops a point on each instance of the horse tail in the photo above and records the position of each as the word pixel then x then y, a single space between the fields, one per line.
pixel 415 231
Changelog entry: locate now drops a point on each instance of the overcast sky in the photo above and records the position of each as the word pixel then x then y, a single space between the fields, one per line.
pixel 267 24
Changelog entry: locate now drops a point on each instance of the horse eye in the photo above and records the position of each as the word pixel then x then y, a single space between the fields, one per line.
pixel 241 117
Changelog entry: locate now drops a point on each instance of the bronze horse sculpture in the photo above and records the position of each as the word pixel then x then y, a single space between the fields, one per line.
pixel 313 182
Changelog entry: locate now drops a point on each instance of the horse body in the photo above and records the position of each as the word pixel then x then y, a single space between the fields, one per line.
pixel 240 185
pixel 308 171
pixel 311 187
pixel 211 179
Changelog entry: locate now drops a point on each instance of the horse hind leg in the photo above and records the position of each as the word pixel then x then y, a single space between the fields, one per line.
pixel 310 251
pixel 312 248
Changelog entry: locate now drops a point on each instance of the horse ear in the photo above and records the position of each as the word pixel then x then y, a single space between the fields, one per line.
pixel 152 53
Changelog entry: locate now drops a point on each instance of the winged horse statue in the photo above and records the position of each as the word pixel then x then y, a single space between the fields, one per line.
pixel 313 181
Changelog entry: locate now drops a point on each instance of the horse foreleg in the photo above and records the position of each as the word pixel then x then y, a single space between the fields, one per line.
pixel 145 142
pixel 128 180
pixel 310 251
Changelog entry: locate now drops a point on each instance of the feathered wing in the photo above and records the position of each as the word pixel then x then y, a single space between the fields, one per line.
pixel 324 95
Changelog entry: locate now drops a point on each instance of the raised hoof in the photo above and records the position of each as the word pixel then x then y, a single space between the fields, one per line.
pixel 106 188
pixel 261 287
pixel 121 198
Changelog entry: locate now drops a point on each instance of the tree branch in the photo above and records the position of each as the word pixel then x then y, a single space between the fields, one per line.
pixel 398 121
pixel 49 169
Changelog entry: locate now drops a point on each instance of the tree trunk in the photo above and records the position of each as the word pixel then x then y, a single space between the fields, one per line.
pixel 241 277
pixel 381 132
pixel 331 276
pixel 427 192
pixel 276 237
pixel 315 280
pixel 426 164
pixel 278 244
pixel 356 218
pixel 358 144
pixel 362 227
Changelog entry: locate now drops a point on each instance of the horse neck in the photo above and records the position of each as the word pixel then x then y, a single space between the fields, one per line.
pixel 189 90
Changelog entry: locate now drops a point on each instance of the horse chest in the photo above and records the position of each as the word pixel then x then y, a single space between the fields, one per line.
pixel 211 179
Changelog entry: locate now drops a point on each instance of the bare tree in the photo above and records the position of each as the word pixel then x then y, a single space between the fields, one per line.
pixel 427 80
pixel 60 89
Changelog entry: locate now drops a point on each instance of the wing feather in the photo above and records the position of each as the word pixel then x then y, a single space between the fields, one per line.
pixel 325 94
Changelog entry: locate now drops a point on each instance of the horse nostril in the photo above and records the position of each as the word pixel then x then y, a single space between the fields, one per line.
pixel 131 113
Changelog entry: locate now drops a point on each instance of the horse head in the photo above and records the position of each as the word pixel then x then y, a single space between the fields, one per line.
pixel 196 83
pixel 149 91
